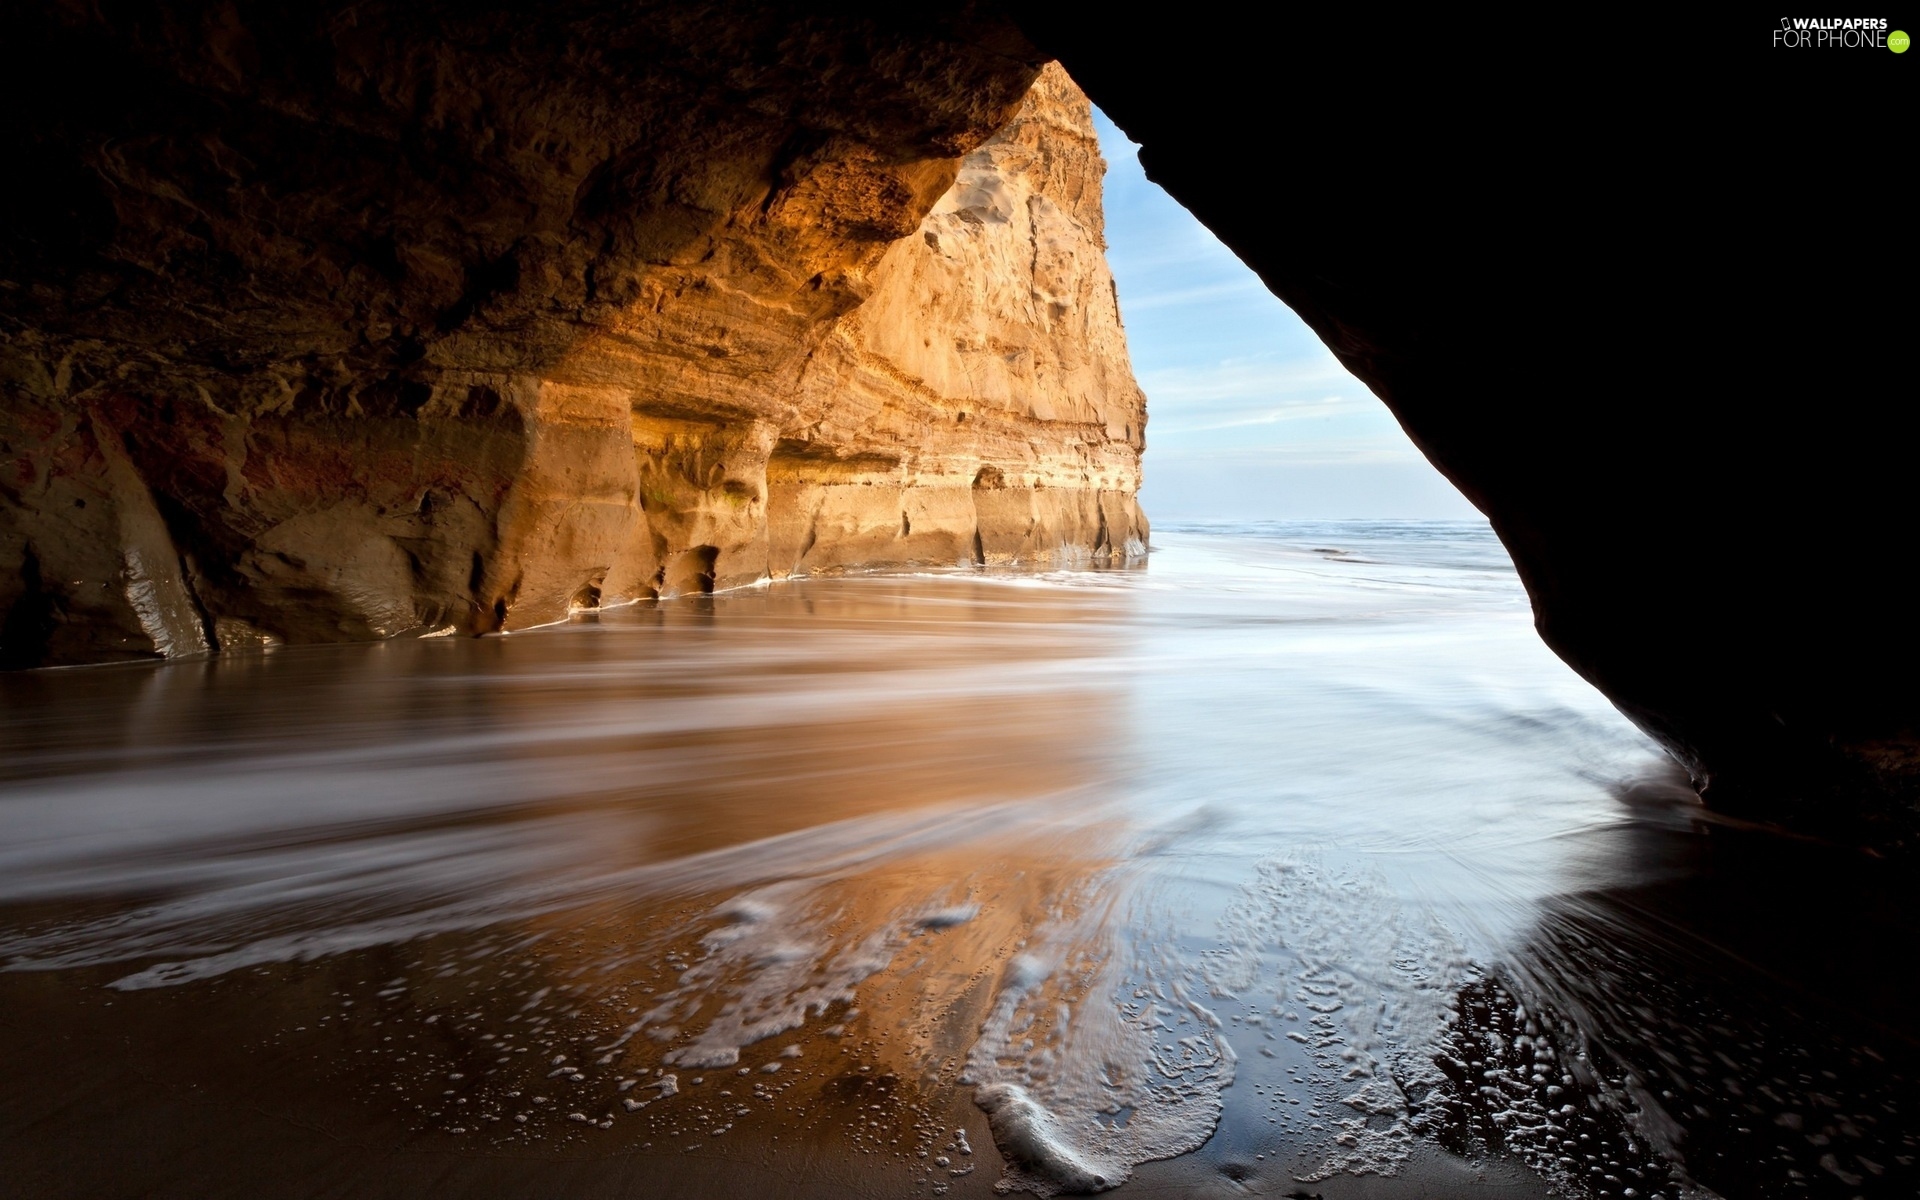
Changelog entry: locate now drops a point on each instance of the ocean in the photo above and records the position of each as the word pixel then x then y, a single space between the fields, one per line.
pixel 1287 861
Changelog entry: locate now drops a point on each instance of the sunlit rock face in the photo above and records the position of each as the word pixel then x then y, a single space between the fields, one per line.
pixel 375 320
pixel 979 405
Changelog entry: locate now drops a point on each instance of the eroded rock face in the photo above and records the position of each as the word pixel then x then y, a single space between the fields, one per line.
pixel 979 405
pixel 377 320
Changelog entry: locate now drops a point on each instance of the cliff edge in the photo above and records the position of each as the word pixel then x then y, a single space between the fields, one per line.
pixel 690 344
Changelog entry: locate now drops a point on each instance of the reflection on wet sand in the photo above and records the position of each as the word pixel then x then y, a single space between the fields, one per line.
pixel 1263 872
pixel 718 896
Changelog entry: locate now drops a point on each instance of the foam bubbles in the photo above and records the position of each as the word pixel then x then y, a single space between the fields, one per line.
pixel 1038 1146
pixel 1077 1067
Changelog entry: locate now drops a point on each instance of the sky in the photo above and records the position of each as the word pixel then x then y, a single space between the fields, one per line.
pixel 1249 417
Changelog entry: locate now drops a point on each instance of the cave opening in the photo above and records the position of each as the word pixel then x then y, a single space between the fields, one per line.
pixel 1252 418
pixel 754 737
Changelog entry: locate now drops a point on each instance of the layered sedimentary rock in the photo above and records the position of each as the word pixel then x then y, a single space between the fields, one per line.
pixel 978 405
pixel 371 321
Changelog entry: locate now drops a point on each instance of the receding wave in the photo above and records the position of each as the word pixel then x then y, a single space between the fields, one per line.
pixel 1289 860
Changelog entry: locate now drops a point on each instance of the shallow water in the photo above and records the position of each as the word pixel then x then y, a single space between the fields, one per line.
pixel 1289 864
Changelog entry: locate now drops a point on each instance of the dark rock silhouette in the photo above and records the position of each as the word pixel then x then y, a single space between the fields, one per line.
pixel 1618 290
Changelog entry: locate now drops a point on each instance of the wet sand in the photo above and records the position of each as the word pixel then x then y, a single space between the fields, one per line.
pixel 1265 870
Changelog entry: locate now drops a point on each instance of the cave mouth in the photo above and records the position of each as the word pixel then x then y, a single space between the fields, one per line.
pixel 1252 417
pixel 359 325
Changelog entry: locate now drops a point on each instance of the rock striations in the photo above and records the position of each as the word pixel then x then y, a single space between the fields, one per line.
pixel 979 406
pixel 258 403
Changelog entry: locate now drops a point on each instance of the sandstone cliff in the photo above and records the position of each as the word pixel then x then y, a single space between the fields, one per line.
pixel 561 357
pixel 979 405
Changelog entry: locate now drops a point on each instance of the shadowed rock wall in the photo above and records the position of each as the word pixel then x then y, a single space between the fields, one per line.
pixel 1640 301
pixel 358 320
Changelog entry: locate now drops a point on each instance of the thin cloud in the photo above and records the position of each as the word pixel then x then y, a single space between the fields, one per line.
pixel 1258 380
pixel 1233 289
pixel 1368 450
pixel 1292 411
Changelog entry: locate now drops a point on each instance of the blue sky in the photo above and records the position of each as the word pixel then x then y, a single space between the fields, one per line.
pixel 1248 415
